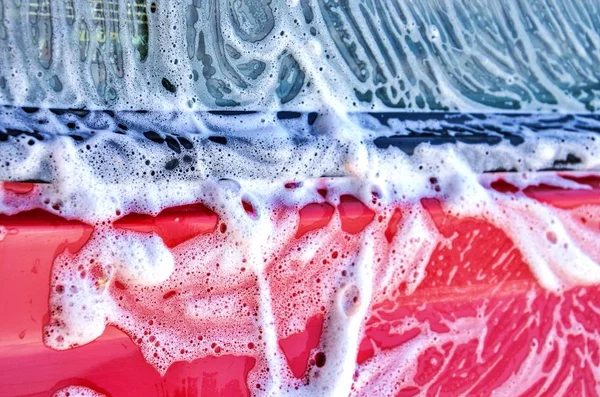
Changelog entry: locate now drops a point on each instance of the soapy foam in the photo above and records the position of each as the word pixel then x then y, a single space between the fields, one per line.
pixel 77 391
pixel 251 283
pixel 244 287
pixel 182 55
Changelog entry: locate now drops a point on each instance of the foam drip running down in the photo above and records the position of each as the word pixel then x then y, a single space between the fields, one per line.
pixel 248 277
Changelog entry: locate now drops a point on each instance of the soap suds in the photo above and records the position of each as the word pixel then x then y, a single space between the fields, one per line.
pixel 77 391
pixel 358 56
pixel 246 280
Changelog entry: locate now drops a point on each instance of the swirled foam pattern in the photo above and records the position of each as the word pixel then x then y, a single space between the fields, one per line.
pixel 481 55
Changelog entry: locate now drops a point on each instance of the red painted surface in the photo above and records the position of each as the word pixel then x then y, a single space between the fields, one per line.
pixel 462 279
pixel 354 214
pixel 174 225
pixel 562 198
pixel 18 187
pixel 314 216
pixel 297 347
pixel 503 186
pixel 112 364
pixel 392 228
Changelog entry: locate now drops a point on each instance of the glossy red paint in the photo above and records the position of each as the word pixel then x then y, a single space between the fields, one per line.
pixel 174 225
pixel 314 216
pixel 112 364
pixel 462 279
pixel 18 187
pixel 354 214
pixel 297 347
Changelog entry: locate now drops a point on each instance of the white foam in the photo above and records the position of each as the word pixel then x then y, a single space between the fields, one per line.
pixel 77 391
pixel 406 55
pixel 100 185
